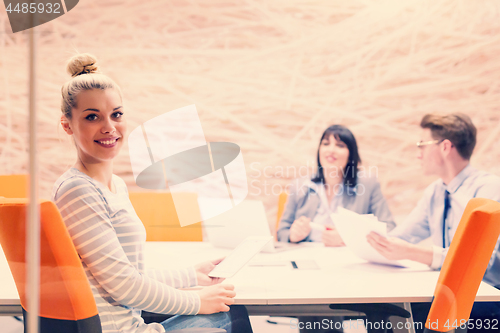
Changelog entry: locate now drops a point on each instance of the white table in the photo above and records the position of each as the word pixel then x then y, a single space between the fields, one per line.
pixel 342 278
pixel 279 290
pixel 9 298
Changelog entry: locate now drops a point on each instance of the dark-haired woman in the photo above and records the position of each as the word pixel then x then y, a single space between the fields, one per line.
pixel 338 183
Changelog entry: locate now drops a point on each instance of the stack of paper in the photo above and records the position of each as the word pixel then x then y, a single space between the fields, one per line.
pixel 353 228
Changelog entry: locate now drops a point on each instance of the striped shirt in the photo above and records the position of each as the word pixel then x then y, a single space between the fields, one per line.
pixel 110 238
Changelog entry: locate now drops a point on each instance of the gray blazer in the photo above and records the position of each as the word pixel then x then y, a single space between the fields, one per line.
pixel 304 200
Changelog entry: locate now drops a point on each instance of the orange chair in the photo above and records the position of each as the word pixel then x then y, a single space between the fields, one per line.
pixel 461 274
pixel 281 208
pixel 464 265
pixel 66 301
pixel 14 186
pixel 158 214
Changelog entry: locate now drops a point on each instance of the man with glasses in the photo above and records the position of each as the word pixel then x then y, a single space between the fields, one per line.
pixel 445 149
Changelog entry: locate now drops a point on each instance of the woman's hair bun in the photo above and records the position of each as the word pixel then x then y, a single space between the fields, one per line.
pixel 82 63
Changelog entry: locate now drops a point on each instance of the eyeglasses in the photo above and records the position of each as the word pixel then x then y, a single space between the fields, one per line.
pixel 420 144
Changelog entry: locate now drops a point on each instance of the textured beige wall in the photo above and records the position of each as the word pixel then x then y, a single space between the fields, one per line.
pixel 270 76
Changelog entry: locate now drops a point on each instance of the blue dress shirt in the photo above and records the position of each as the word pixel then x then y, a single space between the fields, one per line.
pixel 426 219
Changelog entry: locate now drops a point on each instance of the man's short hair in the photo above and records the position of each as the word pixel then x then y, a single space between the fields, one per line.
pixel 456 127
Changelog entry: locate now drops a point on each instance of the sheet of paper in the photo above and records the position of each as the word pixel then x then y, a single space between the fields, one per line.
pixel 240 256
pixel 354 228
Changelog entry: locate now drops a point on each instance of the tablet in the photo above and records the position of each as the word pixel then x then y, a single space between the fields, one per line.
pixel 242 254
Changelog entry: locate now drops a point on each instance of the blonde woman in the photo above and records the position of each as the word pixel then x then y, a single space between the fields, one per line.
pixel 108 235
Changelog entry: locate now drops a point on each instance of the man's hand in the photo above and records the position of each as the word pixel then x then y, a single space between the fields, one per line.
pixel 202 270
pixel 300 229
pixel 331 237
pixel 397 249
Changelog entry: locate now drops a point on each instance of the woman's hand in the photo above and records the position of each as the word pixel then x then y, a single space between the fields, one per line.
pixel 331 237
pixel 202 270
pixel 216 298
pixel 300 229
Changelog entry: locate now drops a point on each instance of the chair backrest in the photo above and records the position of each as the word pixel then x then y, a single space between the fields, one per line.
pixel 66 300
pixel 14 186
pixel 281 208
pixel 158 214
pixel 465 264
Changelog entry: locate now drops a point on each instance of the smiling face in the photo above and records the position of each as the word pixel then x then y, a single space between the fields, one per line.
pixel 333 155
pixel 97 125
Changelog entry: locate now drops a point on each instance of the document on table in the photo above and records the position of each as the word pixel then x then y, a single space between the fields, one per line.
pixel 240 256
pixel 353 228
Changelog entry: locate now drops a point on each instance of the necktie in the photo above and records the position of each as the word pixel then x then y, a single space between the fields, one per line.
pixel 445 213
